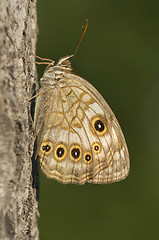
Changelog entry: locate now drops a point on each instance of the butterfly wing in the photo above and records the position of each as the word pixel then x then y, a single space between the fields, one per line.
pixel 78 138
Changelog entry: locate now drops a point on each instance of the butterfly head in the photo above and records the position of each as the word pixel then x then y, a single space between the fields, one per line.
pixel 64 63
pixel 54 73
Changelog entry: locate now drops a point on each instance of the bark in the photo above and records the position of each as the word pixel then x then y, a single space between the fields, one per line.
pixel 18 170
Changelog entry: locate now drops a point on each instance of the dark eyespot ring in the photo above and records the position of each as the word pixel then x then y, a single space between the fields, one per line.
pixel 99 125
pixel 60 152
pixel 46 147
pixel 75 152
pixel 88 157
pixel 96 147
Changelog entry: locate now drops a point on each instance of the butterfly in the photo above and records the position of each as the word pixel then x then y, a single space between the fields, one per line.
pixel 78 138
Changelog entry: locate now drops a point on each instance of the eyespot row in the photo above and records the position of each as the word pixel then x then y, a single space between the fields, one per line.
pixel 60 152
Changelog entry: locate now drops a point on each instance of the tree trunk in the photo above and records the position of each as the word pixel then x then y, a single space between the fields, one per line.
pixel 18 170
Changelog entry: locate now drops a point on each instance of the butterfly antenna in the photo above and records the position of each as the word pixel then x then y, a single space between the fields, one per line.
pixel 82 35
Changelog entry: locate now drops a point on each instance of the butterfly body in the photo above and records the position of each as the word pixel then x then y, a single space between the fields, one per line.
pixel 78 138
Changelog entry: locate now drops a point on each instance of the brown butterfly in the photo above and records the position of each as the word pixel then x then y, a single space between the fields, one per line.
pixel 78 138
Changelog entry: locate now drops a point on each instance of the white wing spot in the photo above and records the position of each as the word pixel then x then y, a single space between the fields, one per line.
pixel 122 153
pixel 116 156
pixel 114 135
pixel 86 98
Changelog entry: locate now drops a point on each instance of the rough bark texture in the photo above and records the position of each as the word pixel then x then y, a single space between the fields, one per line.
pixel 18 179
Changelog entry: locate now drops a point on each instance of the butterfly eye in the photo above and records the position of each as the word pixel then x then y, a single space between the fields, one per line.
pixel 88 157
pixel 75 152
pixel 96 147
pixel 60 152
pixel 46 147
pixel 99 126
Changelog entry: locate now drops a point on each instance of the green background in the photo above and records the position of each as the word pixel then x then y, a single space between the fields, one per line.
pixel 119 55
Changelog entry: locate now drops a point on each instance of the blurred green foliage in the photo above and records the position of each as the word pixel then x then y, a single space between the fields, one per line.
pixel 119 55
